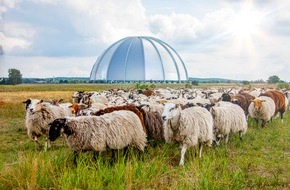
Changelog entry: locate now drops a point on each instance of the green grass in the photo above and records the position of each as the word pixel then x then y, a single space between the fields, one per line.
pixel 260 161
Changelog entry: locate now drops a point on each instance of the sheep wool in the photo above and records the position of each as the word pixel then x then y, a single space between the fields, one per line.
pixel 187 127
pixel 229 118
pixel 39 114
pixel 115 130
pixel 265 111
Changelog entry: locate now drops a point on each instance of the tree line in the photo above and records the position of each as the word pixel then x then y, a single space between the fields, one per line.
pixel 15 77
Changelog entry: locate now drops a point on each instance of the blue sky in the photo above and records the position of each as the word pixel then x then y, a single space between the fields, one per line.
pixel 245 40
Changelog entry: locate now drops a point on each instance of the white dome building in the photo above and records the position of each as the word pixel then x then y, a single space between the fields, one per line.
pixel 139 59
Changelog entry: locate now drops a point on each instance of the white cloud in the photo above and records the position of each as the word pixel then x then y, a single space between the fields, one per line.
pixel 175 28
pixel 107 21
pixel 17 37
pixel 48 66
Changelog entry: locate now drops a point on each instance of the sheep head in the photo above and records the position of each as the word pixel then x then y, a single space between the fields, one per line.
pixel 258 103
pixel 33 105
pixel 170 111
pixel 57 127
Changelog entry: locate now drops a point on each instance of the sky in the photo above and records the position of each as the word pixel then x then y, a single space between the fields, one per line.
pixel 232 39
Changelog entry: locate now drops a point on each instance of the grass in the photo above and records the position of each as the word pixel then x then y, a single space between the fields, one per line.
pixel 260 161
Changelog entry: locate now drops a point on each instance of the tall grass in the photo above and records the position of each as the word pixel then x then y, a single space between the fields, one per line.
pixel 260 161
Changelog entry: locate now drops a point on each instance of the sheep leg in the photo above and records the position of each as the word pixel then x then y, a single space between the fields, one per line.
pixel 37 144
pixel 227 138
pixel 257 121
pixel 76 155
pixel 263 123
pixel 46 144
pixel 183 150
pixel 241 135
pixel 281 114
pixel 200 149
pixel 96 155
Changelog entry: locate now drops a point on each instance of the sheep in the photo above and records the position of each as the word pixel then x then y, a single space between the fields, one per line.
pixel 243 100
pixel 187 127
pixel 116 130
pixel 262 108
pixel 39 114
pixel 153 123
pixel 77 108
pixel 279 100
pixel 77 96
pixel 116 108
pixel 227 118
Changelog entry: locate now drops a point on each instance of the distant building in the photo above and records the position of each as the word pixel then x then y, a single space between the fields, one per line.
pixel 139 59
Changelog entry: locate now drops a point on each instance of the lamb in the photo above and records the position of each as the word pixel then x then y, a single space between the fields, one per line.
pixel 115 130
pixel 228 117
pixel 39 114
pixel 262 108
pixel 187 127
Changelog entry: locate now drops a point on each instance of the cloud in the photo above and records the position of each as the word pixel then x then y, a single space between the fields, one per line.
pixel 175 28
pixel 43 67
pixel 64 36
pixel 108 21
pixel 17 38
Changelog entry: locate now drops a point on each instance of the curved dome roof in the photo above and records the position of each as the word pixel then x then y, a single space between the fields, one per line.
pixel 139 59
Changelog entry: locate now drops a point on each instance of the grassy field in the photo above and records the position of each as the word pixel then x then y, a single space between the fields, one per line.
pixel 260 161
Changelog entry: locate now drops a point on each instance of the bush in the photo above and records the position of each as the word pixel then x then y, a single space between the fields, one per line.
pixel 283 86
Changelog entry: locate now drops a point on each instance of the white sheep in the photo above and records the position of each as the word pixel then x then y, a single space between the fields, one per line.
pixel 115 130
pixel 228 117
pixel 39 114
pixel 187 127
pixel 262 108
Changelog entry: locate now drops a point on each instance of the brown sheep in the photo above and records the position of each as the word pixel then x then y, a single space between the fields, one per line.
pixel 279 100
pixel 243 100
pixel 148 92
pixel 153 124
pixel 117 108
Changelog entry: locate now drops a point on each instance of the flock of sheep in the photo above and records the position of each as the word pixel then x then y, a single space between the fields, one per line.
pixel 116 119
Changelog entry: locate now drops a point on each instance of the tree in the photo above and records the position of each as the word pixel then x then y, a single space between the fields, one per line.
pixel 14 77
pixel 273 79
pixel 245 82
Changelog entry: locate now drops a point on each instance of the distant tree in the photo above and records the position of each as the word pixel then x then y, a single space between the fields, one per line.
pixel 14 77
pixel 245 82
pixel 3 81
pixel 195 83
pixel 273 79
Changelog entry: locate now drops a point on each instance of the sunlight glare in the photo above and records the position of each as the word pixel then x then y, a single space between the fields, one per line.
pixel 245 24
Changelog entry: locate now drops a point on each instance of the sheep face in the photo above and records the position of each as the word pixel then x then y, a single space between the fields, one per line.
pixel 56 128
pixel 170 111
pixel 258 104
pixel 33 105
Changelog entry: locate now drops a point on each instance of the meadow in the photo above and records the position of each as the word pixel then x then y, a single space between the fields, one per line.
pixel 260 161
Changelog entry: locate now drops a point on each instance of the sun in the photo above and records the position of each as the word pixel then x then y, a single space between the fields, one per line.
pixel 245 24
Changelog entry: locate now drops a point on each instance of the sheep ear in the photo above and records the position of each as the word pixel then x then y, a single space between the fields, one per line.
pixel 27 101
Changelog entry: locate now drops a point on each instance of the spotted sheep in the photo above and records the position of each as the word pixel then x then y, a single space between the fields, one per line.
pixel 39 114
